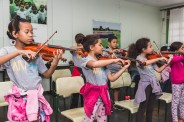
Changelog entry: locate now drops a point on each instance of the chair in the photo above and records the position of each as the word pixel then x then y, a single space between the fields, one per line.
pixel 61 73
pixel 65 87
pixel 4 87
pixel 58 74
pixel 167 97
pixel 129 105
pixel 123 81
pixel 158 76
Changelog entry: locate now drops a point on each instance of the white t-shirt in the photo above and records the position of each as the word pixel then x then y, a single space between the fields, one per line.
pixel 34 17
pixel 22 14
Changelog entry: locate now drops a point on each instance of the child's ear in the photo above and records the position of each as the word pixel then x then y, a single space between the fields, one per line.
pixel 143 49
pixel 91 47
pixel 14 34
pixel 109 43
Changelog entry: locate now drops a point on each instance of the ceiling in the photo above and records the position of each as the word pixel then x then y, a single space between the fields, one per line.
pixel 159 3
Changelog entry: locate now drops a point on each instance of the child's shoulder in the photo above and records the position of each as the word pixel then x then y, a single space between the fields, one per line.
pixel 139 57
pixel 8 48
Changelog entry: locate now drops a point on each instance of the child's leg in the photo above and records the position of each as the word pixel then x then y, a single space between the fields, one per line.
pixel 93 116
pixel 150 107
pixel 116 94
pixel 136 80
pixel 100 115
pixel 176 94
pixel 75 99
pixel 143 105
pixel 181 104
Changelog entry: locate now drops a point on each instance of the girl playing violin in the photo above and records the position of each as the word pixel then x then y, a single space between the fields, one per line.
pixel 112 48
pixel 177 80
pixel 148 87
pixel 97 103
pixel 165 74
pixel 27 91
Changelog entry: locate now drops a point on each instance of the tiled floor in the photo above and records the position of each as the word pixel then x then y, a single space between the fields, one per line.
pixel 117 115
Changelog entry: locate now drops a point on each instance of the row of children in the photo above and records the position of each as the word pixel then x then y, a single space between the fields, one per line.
pixel 29 11
pixel 27 89
pixel 147 87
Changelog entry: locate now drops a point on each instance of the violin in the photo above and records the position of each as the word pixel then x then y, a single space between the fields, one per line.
pixel 81 53
pixel 157 55
pixel 120 56
pixel 46 57
pixel 170 52
pixel 46 51
pixel 108 58
pixel 117 51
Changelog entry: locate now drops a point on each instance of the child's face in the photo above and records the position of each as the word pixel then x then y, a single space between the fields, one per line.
pixel 113 43
pixel 149 49
pixel 22 7
pixel 97 48
pixel 25 34
pixel 181 50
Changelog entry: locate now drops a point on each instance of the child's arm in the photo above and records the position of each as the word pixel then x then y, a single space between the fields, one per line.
pixel 118 74
pixel 50 71
pixel 151 61
pixel 77 47
pixel 28 53
pixel 102 63
pixel 177 58
pixel 160 69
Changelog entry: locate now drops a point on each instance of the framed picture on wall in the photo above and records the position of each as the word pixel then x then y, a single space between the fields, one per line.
pixel 36 12
pixel 106 29
pixel 33 10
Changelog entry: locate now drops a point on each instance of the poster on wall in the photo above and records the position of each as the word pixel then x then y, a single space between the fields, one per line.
pixel 36 12
pixel 107 29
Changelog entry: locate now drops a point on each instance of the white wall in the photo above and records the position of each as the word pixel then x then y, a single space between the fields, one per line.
pixel 1 24
pixel 70 17
pixel 138 21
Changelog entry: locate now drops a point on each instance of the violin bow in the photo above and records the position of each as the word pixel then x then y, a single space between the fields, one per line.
pixel 157 48
pixel 159 51
pixel 45 43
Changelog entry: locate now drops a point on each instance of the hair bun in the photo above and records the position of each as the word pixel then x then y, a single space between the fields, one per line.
pixel 17 17
pixel 83 40
pixel 10 35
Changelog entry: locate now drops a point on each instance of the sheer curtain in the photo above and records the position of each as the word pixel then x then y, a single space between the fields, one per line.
pixel 163 34
pixel 176 25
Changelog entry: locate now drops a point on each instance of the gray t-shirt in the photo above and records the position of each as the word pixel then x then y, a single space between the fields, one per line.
pixel 112 67
pixel 95 76
pixel 77 59
pixel 24 74
pixel 145 70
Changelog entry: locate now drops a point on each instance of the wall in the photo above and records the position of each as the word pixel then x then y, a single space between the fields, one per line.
pixel 70 17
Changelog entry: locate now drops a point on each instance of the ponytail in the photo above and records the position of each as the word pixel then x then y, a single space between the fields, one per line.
pixel 14 26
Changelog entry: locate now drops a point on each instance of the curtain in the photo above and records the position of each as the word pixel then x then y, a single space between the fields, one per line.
pixel 163 34
pixel 176 25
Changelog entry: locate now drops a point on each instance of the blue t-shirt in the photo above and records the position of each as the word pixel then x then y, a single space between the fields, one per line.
pixel 24 74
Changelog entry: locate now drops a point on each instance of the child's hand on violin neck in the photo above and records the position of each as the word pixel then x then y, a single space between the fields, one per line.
pixel 127 63
pixel 170 58
pixel 163 58
pixel 118 60
pixel 27 53
pixel 57 54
